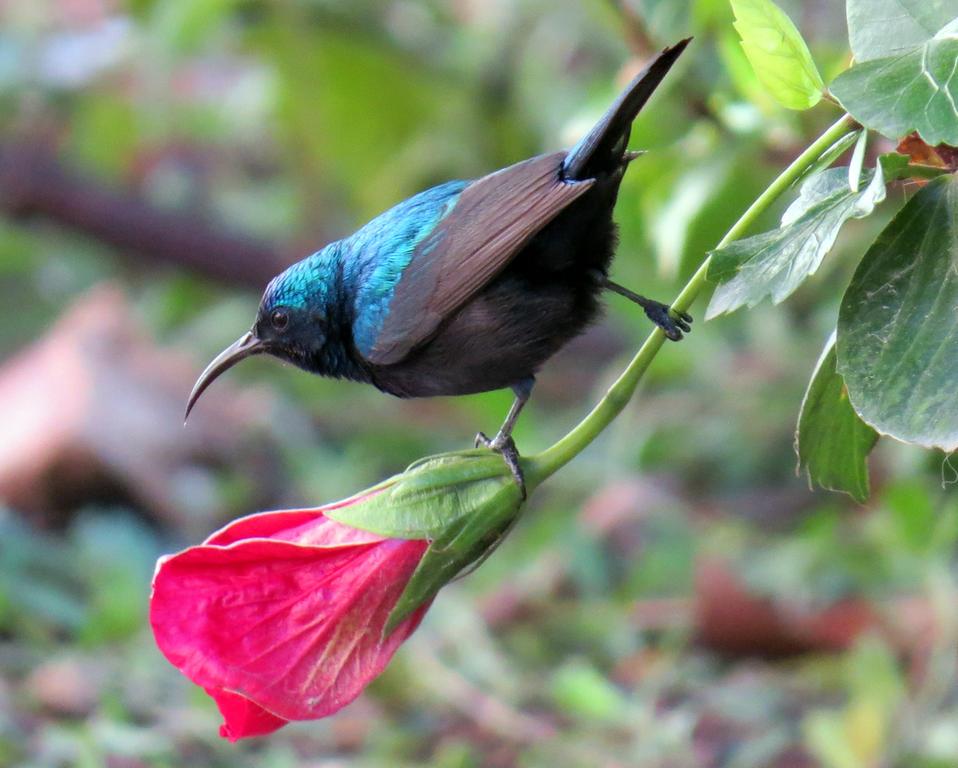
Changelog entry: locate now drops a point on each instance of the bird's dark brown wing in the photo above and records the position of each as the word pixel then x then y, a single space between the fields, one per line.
pixel 492 220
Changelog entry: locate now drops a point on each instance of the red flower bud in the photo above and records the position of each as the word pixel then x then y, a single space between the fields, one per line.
pixel 280 616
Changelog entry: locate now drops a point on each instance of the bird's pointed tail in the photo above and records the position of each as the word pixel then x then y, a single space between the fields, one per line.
pixel 602 150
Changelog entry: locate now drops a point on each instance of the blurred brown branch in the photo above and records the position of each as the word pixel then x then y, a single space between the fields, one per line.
pixel 34 182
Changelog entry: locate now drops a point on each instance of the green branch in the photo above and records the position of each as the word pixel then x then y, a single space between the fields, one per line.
pixel 539 467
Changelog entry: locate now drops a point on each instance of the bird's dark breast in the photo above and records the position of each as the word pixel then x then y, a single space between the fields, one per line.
pixel 547 295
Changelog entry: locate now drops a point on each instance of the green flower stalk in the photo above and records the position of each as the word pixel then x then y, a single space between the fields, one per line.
pixel 542 466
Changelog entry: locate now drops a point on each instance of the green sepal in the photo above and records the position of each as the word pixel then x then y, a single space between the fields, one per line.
pixel 427 498
pixel 465 542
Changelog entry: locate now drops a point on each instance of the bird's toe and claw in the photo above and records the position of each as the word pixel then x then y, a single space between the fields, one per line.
pixel 505 446
pixel 672 322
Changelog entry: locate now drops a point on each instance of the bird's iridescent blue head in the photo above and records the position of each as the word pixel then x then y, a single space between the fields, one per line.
pixel 292 319
pixel 291 323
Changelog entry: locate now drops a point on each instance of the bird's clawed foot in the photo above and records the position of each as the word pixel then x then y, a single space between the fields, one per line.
pixel 673 323
pixel 505 446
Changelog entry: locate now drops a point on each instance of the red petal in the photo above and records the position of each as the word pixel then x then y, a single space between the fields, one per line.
pixel 266 525
pixel 295 629
pixel 304 526
pixel 243 718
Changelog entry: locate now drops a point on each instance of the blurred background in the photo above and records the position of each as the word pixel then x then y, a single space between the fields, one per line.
pixel 676 597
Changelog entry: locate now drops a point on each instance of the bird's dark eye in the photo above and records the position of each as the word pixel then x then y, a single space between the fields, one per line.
pixel 279 319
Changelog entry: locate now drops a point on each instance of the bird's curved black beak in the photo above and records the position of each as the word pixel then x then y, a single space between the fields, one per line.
pixel 248 344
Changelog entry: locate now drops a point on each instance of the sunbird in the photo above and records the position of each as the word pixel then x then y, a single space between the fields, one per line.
pixel 469 286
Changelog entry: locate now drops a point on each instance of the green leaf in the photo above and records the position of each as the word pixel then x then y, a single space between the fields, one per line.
pixel 893 165
pixel 741 72
pixel 831 441
pixel 465 542
pixel 775 263
pixel 898 323
pixel 428 497
pixel 855 164
pixel 778 53
pixel 880 28
pixel 831 154
pixel 913 91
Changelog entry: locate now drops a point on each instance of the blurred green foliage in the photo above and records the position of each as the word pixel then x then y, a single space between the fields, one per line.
pixel 296 121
